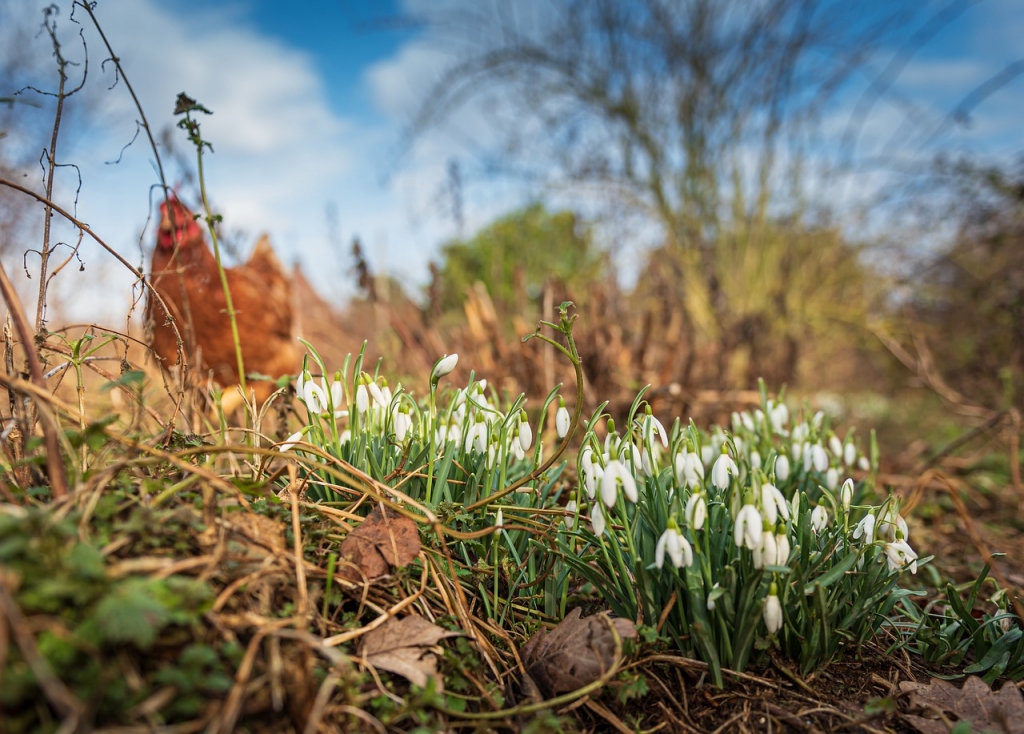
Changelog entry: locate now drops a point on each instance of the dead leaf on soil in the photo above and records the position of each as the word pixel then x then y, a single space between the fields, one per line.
pixel 975 702
pixel 575 653
pixel 405 646
pixel 382 541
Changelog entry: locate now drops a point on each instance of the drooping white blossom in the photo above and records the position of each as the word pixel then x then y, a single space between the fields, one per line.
pixel 562 420
pixel 724 466
pixel 696 510
pixel 772 612
pixel 616 474
pixel 900 555
pixel 677 547
pixel 819 519
pixel 747 530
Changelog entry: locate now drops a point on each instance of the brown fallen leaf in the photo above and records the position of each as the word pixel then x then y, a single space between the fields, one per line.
pixel 404 646
pixel 575 653
pixel 985 709
pixel 382 541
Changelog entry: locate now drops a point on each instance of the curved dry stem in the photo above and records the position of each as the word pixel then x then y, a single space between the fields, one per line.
pixel 54 461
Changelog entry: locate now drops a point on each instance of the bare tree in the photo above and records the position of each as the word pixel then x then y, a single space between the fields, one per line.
pixel 698 114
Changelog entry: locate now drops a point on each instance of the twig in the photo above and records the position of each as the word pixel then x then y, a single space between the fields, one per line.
pixel 54 462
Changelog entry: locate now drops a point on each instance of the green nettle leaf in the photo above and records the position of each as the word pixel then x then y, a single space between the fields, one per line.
pixel 131 613
pixel 86 562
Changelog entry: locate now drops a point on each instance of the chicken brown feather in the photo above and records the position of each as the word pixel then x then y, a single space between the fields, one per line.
pixel 184 273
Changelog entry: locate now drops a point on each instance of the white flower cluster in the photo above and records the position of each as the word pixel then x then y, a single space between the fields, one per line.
pixel 755 475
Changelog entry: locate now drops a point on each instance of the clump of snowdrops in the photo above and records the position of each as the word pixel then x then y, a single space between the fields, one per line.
pixel 734 543
pixel 730 543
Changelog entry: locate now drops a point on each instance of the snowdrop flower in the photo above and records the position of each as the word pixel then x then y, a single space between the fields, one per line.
pixel 616 473
pixel 817 419
pixel 696 511
pixel 849 453
pixel 748 421
pixel 385 391
pixel 516 445
pixel 819 519
pixel 375 393
pixel 654 427
pixel 772 612
pixel 747 530
pixel 767 552
pixel 477 436
pixel 819 458
pixel 846 494
pixel 647 463
pixel 863 464
pixel 562 419
pixel 570 511
pixel 313 396
pixel 673 542
pixel 402 423
pixel 755 459
pixel 525 432
pixel 499 522
pixel 835 445
pixel 712 597
pixel 780 418
pixel 707 455
pixel 782 468
pixel 865 528
pixel 362 398
pixel 831 478
pixel 800 432
pixel 689 469
pixel 491 456
pixel 724 466
pixel 782 546
pixel 337 392
pixel 289 443
pixel 773 503
pixel 900 555
pixel 443 367
pixel 597 519
pixel 892 526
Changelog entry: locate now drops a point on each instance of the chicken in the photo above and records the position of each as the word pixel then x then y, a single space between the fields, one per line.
pixel 184 273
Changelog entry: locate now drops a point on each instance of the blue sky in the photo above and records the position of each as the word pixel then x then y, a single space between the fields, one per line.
pixel 310 100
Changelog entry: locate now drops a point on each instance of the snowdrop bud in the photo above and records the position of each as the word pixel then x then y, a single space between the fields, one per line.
pixel 819 458
pixel 831 478
pixel 707 455
pixel 443 367
pixel 597 522
pixel 782 468
pixel 570 511
pixel 289 443
pixel 652 427
pixel 525 432
pixel 386 391
pixel 337 391
pixel 817 419
pixel 696 511
pixel 819 519
pixel 846 494
pixel 782 546
pixel 772 612
pixel 562 419
pixel 755 459
pixel 835 445
pixel 492 456
pixel 739 445
pixel 796 505
pixel 499 522
pixel 849 453
pixel 362 398
pixel 863 464
pixel 797 450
